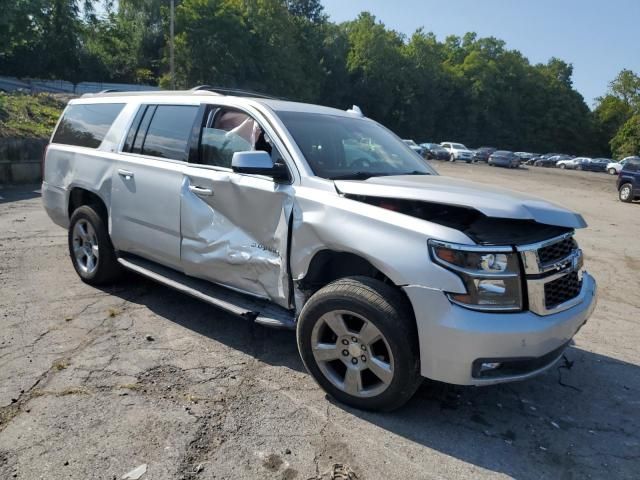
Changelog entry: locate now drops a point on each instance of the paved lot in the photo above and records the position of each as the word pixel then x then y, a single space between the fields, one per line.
pixel 95 382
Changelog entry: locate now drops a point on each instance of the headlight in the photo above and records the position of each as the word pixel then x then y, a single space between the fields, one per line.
pixel 491 275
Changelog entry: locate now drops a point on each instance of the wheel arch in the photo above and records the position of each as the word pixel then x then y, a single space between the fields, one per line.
pixel 328 265
pixel 79 196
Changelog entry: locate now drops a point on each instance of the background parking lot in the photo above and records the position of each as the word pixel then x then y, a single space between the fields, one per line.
pixel 95 382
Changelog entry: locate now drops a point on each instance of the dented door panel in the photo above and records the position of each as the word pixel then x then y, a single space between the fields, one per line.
pixel 235 233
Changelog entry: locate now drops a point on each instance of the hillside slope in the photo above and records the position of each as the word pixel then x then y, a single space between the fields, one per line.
pixel 29 116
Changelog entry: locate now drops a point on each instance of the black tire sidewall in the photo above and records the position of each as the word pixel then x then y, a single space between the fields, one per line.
pixel 108 266
pixel 398 329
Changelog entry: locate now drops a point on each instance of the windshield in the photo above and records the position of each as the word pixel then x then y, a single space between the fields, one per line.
pixel 458 146
pixel 339 147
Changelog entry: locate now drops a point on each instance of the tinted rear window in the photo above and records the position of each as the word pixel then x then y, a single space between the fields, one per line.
pixel 632 165
pixel 169 131
pixel 86 125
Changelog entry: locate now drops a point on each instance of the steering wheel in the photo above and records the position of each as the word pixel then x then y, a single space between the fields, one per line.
pixel 361 162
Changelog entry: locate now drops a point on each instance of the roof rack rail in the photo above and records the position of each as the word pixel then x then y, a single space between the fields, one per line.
pixel 231 91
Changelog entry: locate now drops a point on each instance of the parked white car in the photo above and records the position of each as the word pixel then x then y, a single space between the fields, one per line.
pixel 414 146
pixel 614 168
pixel 458 152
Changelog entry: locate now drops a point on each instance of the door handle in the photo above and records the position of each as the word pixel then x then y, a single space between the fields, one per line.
pixel 125 173
pixel 205 192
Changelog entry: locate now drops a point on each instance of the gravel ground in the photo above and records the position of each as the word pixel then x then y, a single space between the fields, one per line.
pixel 96 382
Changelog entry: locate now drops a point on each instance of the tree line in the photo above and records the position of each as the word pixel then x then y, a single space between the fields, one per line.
pixel 468 89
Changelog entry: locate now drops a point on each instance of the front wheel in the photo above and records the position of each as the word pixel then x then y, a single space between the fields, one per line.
pixel 357 337
pixel 626 193
pixel 612 171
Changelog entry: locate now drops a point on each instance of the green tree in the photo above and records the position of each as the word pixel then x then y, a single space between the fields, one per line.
pixel 375 66
pixel 626 86
pixel 627 140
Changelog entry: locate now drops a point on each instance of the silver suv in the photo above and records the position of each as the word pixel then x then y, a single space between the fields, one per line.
pixel 307 217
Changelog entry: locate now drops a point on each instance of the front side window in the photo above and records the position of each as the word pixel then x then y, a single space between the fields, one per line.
pixel 86 125
pixel 229 131
pixel 338 147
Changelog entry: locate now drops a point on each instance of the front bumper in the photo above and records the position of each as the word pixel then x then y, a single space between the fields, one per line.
pixel 453 340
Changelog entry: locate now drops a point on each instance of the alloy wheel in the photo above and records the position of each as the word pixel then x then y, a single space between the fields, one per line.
pixel 625 192
pixel 352 353
pixel 85 247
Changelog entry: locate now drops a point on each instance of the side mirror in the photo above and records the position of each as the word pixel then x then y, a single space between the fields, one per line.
pixel 258 163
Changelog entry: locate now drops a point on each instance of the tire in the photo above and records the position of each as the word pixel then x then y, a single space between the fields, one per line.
pixel 88 233
pixel 563 166
pixel 579 168
pixel 353 305
pixel 626 193
pixel 612 171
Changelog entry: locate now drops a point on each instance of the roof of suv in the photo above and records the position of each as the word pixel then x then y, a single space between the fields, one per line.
pixel 274 104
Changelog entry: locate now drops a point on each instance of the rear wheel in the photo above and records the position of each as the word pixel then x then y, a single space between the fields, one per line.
pixel 612 171
pixel 358 339
pixel 626 193
pixel 90 247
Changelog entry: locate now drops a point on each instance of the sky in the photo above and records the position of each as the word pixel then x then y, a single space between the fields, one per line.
pixel 598 37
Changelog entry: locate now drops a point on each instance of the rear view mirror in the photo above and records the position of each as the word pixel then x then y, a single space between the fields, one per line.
pixel 258 163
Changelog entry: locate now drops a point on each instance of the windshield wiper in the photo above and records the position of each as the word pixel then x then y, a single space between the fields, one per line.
pixel 358 175
pixel 365 175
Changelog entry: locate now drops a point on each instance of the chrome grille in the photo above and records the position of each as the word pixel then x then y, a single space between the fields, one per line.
pixel 557 251
pixel 553 272
pixel 562 289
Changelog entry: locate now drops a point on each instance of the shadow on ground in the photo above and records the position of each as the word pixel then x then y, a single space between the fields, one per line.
pixel 578 420
pixel 15 194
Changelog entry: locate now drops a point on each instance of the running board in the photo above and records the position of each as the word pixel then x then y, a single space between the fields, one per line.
pixel 258 310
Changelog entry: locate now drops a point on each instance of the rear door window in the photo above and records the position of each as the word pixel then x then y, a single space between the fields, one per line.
pixel 86 125
pixel 168 133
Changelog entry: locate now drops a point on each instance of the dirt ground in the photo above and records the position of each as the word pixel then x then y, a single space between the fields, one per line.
pixel 96 382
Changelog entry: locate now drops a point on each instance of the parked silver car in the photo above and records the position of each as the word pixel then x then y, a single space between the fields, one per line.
pixel 572 163
pixel 307 217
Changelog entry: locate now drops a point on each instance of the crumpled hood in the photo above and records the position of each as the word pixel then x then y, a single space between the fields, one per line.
pixel 491 201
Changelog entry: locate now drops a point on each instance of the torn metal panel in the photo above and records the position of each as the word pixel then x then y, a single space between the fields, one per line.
pixel 491 201
pixel 392 242
pixel 237 236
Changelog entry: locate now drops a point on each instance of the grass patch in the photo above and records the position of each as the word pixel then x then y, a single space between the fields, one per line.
pixel 28 116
